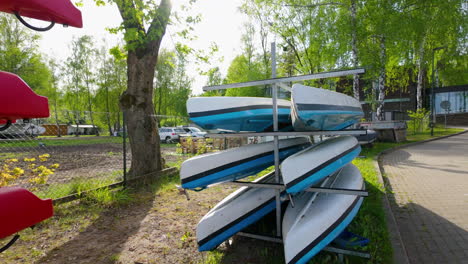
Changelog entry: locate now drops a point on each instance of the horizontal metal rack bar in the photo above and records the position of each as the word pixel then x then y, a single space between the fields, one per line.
pixel 362 193
pixel 344 251
pixel 281 187
pixel 279 240
pixel 353 132
pixel 277 186
pixel 262 237
pixel 321 75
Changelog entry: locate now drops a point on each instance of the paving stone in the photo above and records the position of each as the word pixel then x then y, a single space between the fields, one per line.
pixel 430 199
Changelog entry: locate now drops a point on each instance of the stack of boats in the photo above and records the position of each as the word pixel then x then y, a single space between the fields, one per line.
pixel 316 219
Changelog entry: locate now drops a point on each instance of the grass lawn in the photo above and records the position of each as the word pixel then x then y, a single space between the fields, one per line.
pixel 157 225
pixel 65 141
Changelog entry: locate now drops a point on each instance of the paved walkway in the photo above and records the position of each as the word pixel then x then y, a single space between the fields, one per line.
pixel 430 199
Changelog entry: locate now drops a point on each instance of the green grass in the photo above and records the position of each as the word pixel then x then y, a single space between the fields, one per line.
pixel 59 142
pixel 66 141
pixel 77 185
pixel 107 198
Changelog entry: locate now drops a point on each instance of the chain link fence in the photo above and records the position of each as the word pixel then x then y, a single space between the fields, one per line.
pixel 73 152
pixel 57 157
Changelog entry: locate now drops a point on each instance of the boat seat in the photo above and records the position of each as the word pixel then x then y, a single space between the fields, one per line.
pixel 20 209
pixel 56 11
pixel 18 101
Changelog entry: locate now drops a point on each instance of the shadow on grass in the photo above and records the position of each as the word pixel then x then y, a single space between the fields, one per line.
pixel 104 239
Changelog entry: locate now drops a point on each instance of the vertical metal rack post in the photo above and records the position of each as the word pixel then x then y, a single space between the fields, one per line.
pixel 274 96
pixel 275 82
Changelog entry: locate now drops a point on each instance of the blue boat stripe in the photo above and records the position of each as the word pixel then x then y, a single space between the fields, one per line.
pixel 225 228
pixel 233 109
pixel 235 163
pixel 327 232
pixel 321 166
pixel 328 107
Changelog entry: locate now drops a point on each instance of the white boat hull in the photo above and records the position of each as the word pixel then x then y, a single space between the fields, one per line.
pixel 234 114
pixel 311 165
pixel 312 224
pixel 236 163
pixel 320 109
pixel 234 213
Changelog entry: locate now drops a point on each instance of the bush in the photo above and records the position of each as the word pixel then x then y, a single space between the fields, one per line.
pixel 419 120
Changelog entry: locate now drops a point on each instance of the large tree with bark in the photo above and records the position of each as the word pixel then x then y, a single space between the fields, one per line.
pixel 144 24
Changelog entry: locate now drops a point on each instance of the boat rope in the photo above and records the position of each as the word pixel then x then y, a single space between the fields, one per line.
pixel 6 126
pixel 9 244
pixel 18 16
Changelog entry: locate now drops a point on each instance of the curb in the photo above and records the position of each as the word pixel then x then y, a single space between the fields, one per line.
pixel 400 254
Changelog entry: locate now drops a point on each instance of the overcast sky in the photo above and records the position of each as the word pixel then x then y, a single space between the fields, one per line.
pixel 221 23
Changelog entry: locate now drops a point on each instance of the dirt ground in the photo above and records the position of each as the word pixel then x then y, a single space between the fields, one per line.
pixel 80 161
pixel 159 227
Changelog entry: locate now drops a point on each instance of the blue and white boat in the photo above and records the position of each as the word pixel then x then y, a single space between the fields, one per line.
pixel 228 165
pixel 318 218
pixel 234 213
pixel 234 114
pixel 320 109
pixel 311 165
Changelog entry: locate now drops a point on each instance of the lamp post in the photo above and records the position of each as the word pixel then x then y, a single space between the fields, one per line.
pixel 433 116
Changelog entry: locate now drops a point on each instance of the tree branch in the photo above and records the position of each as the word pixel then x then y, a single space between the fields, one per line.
pixel 127 11
pixel 316 5
pixel 160 20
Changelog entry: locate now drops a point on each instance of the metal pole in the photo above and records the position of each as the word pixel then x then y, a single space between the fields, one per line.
pixel 432 97
pixel 314 76
pixel 124 142
pixel 432 89
pixel 274 95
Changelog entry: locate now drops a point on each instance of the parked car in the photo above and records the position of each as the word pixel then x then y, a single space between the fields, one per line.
pixel 170 134
pixel 193 132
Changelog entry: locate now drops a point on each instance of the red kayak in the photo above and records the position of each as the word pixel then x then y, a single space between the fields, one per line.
pixel 56 11
pixel 18 101
pixel 20 209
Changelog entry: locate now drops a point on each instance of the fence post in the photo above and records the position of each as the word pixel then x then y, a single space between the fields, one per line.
pixel 124 137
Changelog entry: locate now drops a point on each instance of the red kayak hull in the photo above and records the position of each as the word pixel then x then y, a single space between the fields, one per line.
pixel 20 209
pixel 18 101
pixel 58 11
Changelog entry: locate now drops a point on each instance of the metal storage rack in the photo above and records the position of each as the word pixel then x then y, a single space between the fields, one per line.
pixel 275 83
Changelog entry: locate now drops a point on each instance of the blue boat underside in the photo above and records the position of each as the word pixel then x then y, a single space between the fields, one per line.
pixel 328 120
pixel 255 120
pixel 241 169
pixel 327 170
pixel 245 222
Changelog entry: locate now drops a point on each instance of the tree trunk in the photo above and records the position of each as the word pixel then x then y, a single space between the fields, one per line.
pixel 136 103
pixel 381 84
pixel 354 49
pixel 419 86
